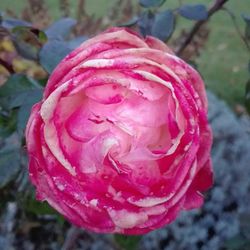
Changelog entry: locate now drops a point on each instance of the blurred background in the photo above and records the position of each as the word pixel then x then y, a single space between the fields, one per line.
pixel 36 34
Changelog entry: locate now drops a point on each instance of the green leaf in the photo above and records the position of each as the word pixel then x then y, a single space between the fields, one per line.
pixel 38 208
pixel 9 160
pixel 11 23
pixel 30 96
pixel 128 242
pixel 20 92
pixel 247 29
pixel 17 83
pixel 247 96
pixel 34 207
pixel 145 22
pixel 74 43
pixel 52 53
pixel 194 11
pixel 9 166
pixel 42 37
pixel 28 41
pixel 129 23
pixel 33 96
pixel 25 50
pixel 16 90
pixel 151 3
pixel 163 25
pixel 61 28
pixel 8 123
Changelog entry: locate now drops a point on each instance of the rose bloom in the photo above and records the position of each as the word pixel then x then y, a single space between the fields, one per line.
pixel 120 142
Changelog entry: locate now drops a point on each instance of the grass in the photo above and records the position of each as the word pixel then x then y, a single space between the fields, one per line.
pixel 225 59
pixel 223 62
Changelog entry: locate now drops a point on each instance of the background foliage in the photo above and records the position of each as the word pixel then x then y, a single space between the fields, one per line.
pixel 35 35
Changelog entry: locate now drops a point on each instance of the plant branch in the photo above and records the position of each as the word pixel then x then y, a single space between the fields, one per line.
pixel 7 66
pixel 218 4
pixel 74 233
pixel 232 16
pixel 71 238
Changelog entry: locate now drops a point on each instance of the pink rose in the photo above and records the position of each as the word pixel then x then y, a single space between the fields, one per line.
pixel 120 142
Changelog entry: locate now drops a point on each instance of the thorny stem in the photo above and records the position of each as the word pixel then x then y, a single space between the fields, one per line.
pixel 7 66
pixel 237 27
pixel 218 4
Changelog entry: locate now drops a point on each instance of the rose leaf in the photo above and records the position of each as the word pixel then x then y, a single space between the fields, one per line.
pixel 194 11
pixel 163 25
